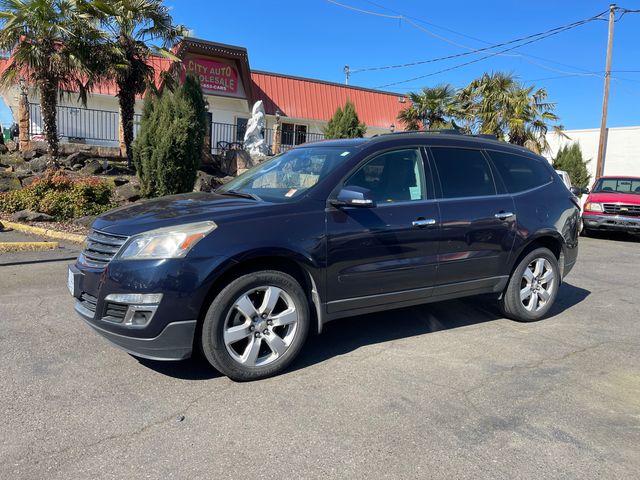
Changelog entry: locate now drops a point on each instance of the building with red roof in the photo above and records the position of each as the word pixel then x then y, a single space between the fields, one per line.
pixel 303 106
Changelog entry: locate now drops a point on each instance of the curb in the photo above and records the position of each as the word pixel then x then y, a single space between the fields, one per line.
pixel 45 232
pixel 27 246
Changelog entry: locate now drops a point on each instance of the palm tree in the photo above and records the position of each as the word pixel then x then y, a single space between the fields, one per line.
pixel 132 27
pixel 433 107
pixel 49 42
pixel 499 105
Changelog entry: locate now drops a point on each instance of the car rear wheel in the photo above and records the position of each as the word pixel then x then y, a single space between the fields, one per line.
pixel 256 326
pixel 533 287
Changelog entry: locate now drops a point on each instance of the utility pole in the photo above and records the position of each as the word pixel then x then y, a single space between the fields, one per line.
pixel 346 74
pixel 605 100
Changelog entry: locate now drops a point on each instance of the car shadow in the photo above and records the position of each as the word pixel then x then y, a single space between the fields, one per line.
pixel 348 334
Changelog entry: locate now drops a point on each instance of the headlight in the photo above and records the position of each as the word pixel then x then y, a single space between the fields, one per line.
pixel 169 242
pixel 593 207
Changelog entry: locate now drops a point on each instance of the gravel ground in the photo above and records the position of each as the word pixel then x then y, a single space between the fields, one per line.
pixel 448 390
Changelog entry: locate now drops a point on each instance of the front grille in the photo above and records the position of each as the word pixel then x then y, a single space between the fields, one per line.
pixel 100 248
pixel 620 209
pixel 88 302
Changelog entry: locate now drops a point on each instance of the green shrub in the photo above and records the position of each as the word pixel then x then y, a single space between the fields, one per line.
pixel 569 159
pixel 168 151
pixel 61 197
pixel 345 123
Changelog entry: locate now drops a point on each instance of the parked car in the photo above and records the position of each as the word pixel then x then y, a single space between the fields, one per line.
pixel 566 179
pixel 613 204
pixel 325 231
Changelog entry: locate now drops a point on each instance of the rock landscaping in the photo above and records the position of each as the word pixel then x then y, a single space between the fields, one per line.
pixel 23 171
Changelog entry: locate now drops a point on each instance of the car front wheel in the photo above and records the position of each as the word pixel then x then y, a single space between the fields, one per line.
pixel 533 287
pixel 256 325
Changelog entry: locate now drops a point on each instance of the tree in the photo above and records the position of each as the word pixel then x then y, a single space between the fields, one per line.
pixel 131 27
pixel 569 158
pixel 434 107
pixel 51 44
pixel 168 151
pixel 345 123
pixel 497 104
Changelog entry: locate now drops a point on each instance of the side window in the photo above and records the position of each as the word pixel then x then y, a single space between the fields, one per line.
pixel 396 176
pixel 520 173
pixel 463 172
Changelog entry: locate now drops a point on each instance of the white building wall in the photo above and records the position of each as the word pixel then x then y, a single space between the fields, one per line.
pixel 622 149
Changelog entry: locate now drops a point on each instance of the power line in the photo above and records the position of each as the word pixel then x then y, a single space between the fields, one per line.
pixel 448 57
pixel 533 40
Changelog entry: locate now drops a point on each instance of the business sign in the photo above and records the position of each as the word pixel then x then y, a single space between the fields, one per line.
pixel 215 77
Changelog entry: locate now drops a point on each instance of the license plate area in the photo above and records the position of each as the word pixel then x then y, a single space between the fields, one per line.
pixel 74 277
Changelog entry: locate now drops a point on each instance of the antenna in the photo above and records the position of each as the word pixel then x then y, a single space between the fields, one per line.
pixel 346 74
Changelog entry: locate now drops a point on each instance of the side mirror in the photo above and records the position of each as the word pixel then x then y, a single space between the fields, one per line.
pixel 354 196
pixel 579 191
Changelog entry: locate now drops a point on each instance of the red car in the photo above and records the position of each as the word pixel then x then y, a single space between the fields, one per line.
pixel 613 204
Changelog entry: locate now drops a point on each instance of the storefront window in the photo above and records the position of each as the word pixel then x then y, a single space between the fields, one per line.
pixel 241 127
pixel 293 134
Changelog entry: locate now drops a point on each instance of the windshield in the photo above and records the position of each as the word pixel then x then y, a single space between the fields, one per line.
pixel 618 185
pixel 287 176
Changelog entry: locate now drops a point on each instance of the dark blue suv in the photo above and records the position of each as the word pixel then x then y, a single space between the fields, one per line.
pixel 325 231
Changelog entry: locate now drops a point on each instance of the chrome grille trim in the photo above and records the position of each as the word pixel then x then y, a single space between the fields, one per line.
pixel 629 210
pixel 100 248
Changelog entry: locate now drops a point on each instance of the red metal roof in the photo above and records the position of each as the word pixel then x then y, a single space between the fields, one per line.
pixel 297 97
pixel 317 100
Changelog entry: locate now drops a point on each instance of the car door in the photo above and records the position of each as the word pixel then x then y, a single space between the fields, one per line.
pixel 387 253
pixel 478 225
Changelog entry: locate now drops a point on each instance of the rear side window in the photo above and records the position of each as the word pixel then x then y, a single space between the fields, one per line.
pixel 520 173
pixel 463 172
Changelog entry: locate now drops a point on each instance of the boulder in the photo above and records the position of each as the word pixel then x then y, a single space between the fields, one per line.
pixel 75 159
pixel 9 183
pixel 120 181
pixel 3 149
pixel 93 166
pixel 12 145
pixel 204 182
pixel 39 164
pixel 128 192
pixel 29 216
pixel 237 160
pixel 28 155
pixel 26 181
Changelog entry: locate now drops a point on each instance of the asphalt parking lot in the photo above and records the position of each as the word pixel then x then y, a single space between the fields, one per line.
pixel 448 390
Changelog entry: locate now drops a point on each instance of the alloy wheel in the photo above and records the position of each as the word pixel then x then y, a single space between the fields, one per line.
pixel 537 285
pixel 260 326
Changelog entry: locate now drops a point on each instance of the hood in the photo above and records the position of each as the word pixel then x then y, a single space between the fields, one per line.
pixel 171 210
pixel 608 197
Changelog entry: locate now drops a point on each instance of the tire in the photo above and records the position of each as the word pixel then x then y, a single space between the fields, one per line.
pixel 532 288
pixel 256 326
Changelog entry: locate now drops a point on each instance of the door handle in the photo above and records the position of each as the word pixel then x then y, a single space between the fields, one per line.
pixel 503 215
pixel 423 222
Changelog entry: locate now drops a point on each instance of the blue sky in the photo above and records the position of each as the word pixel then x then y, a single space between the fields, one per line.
pixel 315 38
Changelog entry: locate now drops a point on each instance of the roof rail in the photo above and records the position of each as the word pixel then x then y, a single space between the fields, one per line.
pixel 489 136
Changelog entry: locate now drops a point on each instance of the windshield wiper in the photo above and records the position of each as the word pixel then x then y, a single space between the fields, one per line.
pixel 236 193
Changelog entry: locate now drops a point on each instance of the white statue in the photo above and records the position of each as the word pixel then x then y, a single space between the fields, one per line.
pixel 254 142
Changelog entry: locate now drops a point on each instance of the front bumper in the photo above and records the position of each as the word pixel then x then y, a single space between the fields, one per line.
pixel 169 335
pixel 175 342
pixel 611 222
